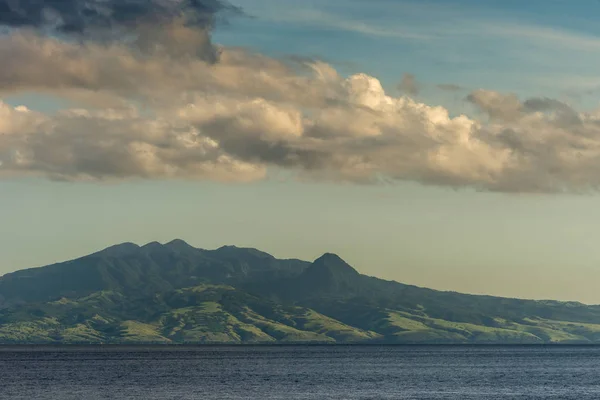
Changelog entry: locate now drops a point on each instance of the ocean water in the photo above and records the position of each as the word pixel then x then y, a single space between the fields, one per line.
pixel 301 372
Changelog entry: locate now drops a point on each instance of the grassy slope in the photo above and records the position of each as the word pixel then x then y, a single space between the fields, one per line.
pixel 203 314
pixel 221 314
pixel 407 327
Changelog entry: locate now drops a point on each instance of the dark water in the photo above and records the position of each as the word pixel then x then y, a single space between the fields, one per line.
pixel 320 372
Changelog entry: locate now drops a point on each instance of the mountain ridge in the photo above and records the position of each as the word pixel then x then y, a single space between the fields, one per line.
pixel 177 293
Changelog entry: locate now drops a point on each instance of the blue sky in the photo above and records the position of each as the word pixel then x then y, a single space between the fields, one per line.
pixel 533 48
pixel 525 245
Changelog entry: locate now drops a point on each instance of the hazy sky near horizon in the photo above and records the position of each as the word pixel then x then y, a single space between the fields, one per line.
pixel 448 144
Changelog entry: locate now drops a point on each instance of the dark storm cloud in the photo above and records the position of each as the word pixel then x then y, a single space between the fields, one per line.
pixel 87 16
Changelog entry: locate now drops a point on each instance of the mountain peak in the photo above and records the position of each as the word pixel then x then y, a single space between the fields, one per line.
pixel 329 275
pixel 335 263
pixel 181 246
pixel 228 247
pixel 330 257
pixel 120 249
pixel 178 244
pixel 151 244
pixel 238 251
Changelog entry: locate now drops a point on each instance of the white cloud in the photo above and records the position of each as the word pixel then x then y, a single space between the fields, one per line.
pixel 111 144
pixel 153 114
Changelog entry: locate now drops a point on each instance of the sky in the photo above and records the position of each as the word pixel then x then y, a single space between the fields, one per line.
pixel 448 144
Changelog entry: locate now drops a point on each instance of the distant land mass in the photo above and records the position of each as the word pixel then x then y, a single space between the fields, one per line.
pixel 174 293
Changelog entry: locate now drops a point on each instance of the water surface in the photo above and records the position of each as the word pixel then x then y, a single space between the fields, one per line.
pixel 301 372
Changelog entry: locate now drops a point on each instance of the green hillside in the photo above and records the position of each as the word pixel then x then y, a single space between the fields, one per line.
pixel 201 314
pixel 174 293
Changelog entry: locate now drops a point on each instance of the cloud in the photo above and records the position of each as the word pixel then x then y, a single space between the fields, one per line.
pixel 91 16
pixel 408 85
pixel 496 105
pixel 111 144
pixel 142 21
pixel 449 87
pixel 156 108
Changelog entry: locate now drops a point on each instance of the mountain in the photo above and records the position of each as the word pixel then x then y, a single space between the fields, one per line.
pixel 142 270
pixel 176 293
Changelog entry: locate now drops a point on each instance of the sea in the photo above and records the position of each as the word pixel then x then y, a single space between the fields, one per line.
pixel 300 372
